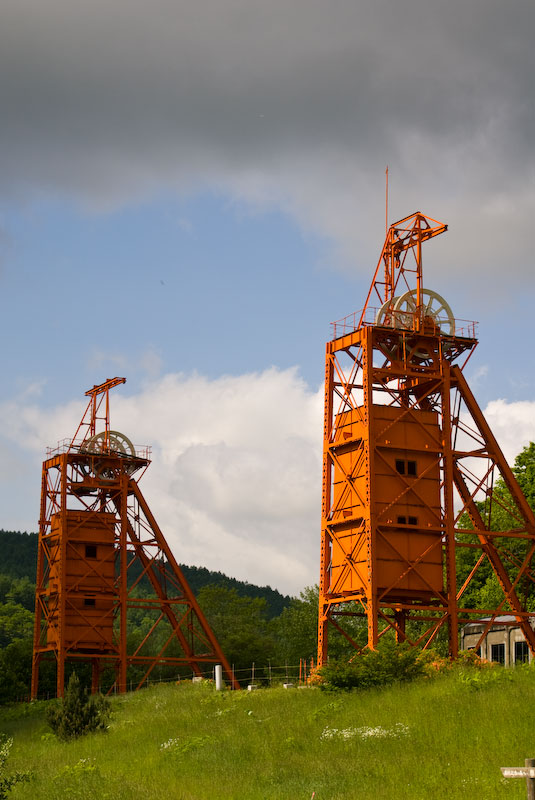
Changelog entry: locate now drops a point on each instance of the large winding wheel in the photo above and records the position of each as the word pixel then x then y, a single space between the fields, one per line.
pixel 434 315
pixel 434 310
pixel 110 443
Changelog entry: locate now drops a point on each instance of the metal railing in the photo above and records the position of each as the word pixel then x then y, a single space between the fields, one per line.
pixel 401 320
pixel 66 445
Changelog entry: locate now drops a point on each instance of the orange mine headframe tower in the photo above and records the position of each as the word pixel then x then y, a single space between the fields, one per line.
pixel 409 467
pixel 102 558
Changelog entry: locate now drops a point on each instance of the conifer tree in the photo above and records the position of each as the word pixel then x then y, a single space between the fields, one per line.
pixel 79 712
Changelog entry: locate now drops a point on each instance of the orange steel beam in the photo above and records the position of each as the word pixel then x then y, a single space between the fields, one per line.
pixel 166 612
pixel 181 581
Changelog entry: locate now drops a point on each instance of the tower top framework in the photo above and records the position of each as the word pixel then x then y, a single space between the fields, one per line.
pixel 97 408
pixel 403 244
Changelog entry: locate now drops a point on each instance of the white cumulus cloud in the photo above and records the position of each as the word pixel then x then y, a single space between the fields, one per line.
pixel 513 425
pixel 236 472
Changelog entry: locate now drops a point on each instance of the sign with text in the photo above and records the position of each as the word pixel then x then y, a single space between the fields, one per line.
pixel 518 772
pixel 527 772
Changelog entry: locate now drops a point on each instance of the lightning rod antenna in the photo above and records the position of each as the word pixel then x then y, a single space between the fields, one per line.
pixel 386 200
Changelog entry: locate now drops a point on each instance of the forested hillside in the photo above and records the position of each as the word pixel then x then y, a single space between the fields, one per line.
pixel 18 554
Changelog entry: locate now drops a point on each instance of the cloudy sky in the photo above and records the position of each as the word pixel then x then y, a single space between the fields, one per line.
pixel 191 192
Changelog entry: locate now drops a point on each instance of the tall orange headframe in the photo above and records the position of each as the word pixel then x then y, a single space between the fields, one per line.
pixel 407 458
pixel 102 558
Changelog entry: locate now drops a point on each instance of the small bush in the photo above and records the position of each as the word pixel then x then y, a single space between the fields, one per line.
pixel 371 668
pixel 8 781
pixel 469 658
pixel 78 713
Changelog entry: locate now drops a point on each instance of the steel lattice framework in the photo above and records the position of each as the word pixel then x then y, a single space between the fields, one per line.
pixel 408 459
pixel 102 558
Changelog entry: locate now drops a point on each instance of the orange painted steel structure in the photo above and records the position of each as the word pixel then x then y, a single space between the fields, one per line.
pixel 102 555
pixel 407 452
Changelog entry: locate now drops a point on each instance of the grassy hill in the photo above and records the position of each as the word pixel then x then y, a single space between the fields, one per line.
pixel 441 737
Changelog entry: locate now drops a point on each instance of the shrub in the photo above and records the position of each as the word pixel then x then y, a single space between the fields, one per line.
pixel 82 781
pixel 469 658
pixel 373 668
pixel 78 713
pixel 8 781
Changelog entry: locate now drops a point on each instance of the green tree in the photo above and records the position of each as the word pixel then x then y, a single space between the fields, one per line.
pixel 15 671
pixel 6 581
pixel 22 592
pixel 240 625
pixel 296 629
pixel 524 471
pixel 500 513
pixel 78 713
pixel 16 623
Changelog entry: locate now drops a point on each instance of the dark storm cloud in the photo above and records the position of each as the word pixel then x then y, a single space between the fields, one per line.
pixel 301 102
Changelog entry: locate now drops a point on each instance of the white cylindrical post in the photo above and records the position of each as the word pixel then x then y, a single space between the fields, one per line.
pixel 218 677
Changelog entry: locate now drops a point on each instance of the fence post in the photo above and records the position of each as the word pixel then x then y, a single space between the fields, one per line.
pixel 530 782
pixel 218 670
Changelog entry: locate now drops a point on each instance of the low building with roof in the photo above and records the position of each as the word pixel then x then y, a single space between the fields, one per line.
pixel 504 642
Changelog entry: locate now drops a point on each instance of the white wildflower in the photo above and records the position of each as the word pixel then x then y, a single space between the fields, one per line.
pixel 338 733
pixel 170 744
pixel 397 731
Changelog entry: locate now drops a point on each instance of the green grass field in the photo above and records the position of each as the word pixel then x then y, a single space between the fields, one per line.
pixel 441 737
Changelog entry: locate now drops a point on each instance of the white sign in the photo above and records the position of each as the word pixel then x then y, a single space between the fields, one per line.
pixel 518 772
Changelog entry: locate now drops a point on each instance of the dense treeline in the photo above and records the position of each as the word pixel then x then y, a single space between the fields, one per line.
pixel 199 577
pixel 19 554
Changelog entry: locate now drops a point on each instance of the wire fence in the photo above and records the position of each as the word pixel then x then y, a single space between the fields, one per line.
pixel 257 675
